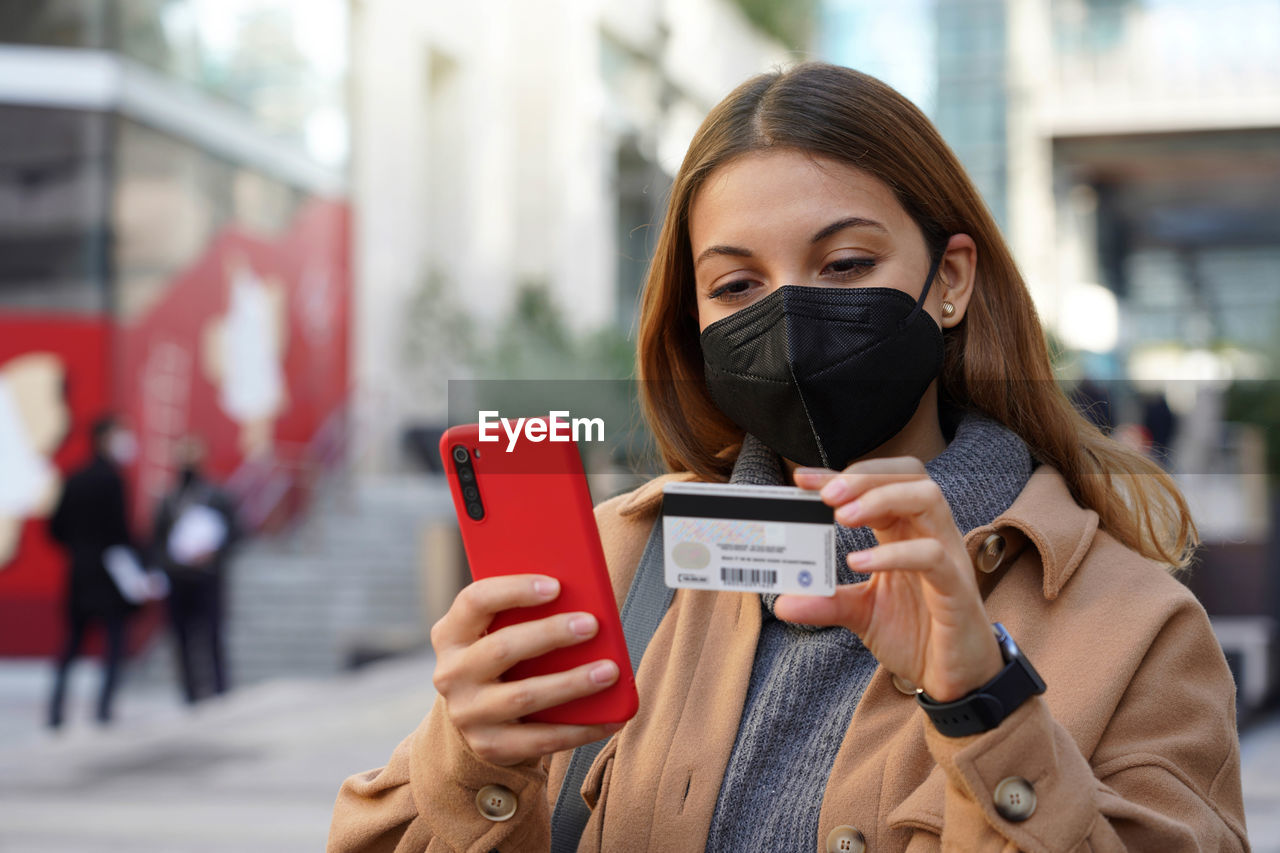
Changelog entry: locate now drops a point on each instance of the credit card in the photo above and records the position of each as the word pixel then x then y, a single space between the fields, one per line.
pixel 748 538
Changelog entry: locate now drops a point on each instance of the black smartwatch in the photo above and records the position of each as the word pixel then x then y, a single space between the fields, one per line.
pixel 985 708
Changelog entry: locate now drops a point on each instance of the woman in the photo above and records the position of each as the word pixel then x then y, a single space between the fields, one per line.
pixel 830 305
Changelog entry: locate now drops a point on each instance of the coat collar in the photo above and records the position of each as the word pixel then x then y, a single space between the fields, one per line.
pixel 1044 515
pixel 647 498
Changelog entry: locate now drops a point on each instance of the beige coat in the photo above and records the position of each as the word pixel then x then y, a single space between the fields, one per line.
pixel 1133 746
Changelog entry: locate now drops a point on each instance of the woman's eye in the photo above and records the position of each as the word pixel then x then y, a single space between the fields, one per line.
pixel 850 267
pixel 728 292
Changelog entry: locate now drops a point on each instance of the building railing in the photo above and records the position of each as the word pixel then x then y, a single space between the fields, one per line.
pixel 1164 64
pixel 272 492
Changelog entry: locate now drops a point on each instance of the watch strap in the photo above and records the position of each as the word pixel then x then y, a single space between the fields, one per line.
pixel 985 708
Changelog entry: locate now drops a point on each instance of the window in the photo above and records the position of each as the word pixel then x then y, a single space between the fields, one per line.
pixel 53 208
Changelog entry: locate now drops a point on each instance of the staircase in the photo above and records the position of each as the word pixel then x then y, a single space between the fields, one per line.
pixel 347 585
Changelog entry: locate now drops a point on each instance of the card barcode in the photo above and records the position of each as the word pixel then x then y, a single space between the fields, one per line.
pixel 749 577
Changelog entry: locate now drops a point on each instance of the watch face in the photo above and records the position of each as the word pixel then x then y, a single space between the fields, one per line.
pixel 1008 648
pixel 1010 652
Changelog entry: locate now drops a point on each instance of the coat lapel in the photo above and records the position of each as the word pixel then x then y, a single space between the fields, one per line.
pixel 693 684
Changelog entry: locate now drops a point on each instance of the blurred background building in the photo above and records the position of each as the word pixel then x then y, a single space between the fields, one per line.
pixel 533 160
pixel 174 244
pixel 283 225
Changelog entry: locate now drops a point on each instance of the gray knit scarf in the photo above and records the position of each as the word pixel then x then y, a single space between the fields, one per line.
pixel 806 681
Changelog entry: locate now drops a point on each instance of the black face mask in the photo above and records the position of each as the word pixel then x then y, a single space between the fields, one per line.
pixel 824 375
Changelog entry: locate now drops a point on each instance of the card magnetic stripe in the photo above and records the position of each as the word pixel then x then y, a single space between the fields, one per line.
pixel 747 509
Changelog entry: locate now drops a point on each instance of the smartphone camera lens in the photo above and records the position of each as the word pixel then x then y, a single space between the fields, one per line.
pixel 467 477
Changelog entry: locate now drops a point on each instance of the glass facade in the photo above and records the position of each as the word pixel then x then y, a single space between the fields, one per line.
pixel 283 62
pixel 949 57
pixel 895 42
pixel 54 178
pixel 1158 49
pixel 171 198
pixel 972 107
pixel 89 197
pixel 1187 235
pixel 55 23
pixel 1222 295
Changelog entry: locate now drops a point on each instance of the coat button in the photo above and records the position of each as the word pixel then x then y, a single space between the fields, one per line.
pixel 496 802
pixel 991 554
pixel 905 686
pixel 1015 799
pixel 846 839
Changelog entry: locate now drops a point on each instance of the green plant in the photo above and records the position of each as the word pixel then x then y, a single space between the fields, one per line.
pixel 535 363
pixel 533 342
pixel 437 336
pixel 1257 402
pixel 791 22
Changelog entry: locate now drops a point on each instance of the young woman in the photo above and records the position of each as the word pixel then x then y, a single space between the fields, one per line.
pixel 831 306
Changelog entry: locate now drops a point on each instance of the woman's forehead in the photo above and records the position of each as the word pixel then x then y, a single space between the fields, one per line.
pixel 763 192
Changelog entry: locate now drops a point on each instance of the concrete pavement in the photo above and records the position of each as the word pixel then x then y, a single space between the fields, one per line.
pixel 1260 774
pixel 258 770
pixel 254 771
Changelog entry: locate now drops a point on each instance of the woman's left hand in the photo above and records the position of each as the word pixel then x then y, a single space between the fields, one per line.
pixel 920 613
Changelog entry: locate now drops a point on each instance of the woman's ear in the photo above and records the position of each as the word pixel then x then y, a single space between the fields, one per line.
pixel 956 275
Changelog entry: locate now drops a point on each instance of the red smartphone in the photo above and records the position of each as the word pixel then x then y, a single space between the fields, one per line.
pixel 524 508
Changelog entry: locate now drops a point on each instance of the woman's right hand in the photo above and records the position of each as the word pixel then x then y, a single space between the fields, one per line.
pixel 469 662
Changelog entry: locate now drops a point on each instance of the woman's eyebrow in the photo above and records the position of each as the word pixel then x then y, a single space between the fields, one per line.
pixel 834 227
pixel 850 222
pixel 712 251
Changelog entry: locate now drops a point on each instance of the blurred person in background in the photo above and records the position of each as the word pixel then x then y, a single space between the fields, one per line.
pixel 91 519
pixel 192 537
pixel 1161 424
pixel 1094 401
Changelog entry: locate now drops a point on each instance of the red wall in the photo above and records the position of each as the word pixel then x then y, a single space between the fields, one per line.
pixel 31 583
pixel 160 371
pixel 168 382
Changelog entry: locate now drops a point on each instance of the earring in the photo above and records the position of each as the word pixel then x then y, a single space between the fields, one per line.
pixel 948 309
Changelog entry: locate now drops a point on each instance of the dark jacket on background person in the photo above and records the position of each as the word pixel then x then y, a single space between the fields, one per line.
pixel 91 517
pixel 197 593
pixel 196 491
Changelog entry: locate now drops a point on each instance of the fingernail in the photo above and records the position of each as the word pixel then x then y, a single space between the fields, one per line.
pixel 836 490
pixel 546 587
pixel 584 625
pixel 604 672
pixel 859 559
pixel 849 513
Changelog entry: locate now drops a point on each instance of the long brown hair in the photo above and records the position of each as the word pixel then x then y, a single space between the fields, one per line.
pixel 996 361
